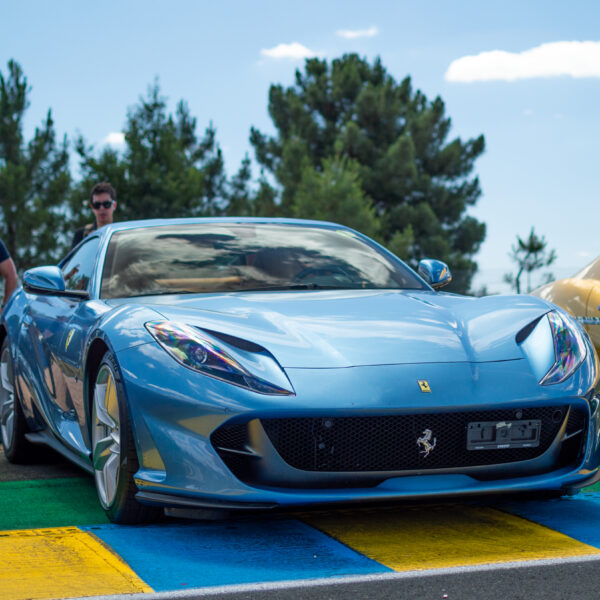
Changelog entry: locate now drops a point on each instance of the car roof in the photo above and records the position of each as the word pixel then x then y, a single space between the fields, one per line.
pixel 127 225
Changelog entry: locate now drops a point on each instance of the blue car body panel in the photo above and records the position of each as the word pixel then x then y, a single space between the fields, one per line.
pixel 345 353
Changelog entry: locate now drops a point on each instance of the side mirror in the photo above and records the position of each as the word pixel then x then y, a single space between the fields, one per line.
pixel 435 272
pixel 50 282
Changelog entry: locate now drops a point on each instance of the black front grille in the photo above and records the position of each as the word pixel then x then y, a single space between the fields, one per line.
pixel 234 437
pixel 389 443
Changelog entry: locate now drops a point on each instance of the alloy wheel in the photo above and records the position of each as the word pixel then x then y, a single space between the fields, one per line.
pixel 7 398
pixel 106 436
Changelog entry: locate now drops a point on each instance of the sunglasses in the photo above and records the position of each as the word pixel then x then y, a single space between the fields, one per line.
pixel 105 204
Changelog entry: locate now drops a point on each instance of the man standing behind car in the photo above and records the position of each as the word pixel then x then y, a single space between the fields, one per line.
pixel 103 201
pixel 8 272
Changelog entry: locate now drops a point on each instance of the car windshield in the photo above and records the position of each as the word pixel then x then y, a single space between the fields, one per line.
pixel 235 257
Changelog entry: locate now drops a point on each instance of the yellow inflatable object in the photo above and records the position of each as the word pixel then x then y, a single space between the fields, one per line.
pixel 580 296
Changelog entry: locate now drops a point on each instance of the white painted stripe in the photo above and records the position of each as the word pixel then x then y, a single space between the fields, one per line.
pixel 323 581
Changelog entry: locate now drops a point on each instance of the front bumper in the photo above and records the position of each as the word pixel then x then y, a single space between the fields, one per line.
pixel 206 441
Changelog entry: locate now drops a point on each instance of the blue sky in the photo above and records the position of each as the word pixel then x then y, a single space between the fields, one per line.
pixel 536 101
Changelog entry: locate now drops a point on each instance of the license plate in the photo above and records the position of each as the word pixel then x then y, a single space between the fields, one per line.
pixel 499 435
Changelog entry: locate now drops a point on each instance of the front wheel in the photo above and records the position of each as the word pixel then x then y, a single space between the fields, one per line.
pixel 113 450
pixel 13 425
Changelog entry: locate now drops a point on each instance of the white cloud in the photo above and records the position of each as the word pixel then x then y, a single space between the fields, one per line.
pixel 351 34
pixel 575 59
pixel 293 51
pixel 116 138
pixel 528 112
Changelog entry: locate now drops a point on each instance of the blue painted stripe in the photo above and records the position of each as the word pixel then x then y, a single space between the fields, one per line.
pixel 576 516
pixel 191 554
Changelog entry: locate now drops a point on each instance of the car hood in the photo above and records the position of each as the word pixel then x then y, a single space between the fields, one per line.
pixel 314 329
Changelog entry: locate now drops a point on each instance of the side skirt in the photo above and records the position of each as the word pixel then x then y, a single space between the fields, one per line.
pixel 45 439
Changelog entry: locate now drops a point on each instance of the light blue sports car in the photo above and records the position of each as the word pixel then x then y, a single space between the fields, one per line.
pixel 254 363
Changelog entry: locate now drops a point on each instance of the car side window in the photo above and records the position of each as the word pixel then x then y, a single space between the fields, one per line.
pixel 78 269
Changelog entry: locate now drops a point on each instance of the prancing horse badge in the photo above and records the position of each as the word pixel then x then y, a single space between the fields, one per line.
pixel 424 385
pixel 425 444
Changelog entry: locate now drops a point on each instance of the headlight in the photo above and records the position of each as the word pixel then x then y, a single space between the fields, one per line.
pixel 569 348
pixel 554 345
pixel 198 351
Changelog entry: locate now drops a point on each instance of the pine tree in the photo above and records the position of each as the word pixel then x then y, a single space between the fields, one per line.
pixel 34 178
pixel 530 255
pixel 419 182
pixel 165 170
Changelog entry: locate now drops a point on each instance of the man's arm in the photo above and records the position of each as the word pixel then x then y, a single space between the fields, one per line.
pixel 8 271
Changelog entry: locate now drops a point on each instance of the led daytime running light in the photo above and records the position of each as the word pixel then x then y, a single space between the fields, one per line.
pixel 194 349
pixel 190 347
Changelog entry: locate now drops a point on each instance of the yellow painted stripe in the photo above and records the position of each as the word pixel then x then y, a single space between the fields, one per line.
pixel 62 562
pixel 412 538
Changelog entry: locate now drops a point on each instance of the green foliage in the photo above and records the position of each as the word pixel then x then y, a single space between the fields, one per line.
pixel 335 194
pixel 166 170
pixel 418 181
pixel 239 196
pixel 401 242
pixel 34 178
pixel 530 255
pixel 242 201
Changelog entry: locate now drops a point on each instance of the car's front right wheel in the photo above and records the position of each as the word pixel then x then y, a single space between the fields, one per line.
pixel 113 450
pixel 13 425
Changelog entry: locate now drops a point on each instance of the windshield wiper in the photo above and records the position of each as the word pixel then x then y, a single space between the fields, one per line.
pixel 293 286
pixel 265 288
pixel 164 293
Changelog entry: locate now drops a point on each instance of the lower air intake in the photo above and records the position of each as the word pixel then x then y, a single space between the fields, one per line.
pixel 390 443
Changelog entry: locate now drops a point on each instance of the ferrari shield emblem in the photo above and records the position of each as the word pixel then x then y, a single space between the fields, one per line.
pixel 69 336
pixel 424 385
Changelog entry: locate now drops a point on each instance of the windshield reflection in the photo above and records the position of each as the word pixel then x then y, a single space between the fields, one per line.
pixel 233 257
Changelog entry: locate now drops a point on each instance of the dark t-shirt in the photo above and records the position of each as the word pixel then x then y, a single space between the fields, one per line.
pixel 82 232
pixel 4 255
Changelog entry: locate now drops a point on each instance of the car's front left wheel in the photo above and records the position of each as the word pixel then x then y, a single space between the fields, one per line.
pixel 113 450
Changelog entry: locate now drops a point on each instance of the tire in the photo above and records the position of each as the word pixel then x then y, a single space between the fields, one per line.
pixel 13 425
pixel 114 456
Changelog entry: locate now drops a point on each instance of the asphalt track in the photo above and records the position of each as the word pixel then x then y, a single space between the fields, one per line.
pixel 55 542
